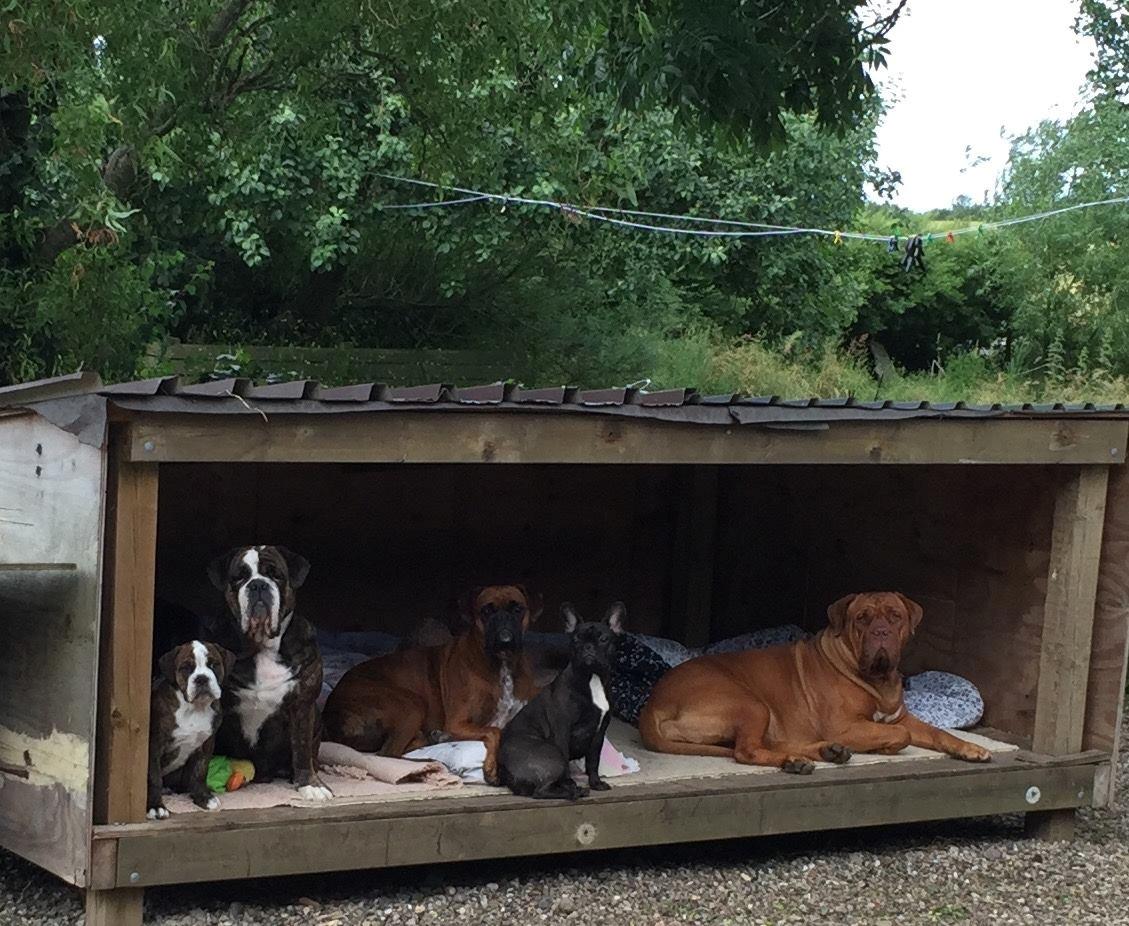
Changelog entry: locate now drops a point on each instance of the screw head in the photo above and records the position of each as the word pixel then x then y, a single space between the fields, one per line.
pixel 148 446
pixel 134 877
pixel 1033 795
pixel 586 834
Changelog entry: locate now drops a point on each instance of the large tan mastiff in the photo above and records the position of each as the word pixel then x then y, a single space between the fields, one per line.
pixel 788 706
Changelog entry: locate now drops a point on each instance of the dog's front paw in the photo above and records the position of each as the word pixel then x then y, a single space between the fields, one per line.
pixel 160 812
pixel 796 766
pixel 315 792
pixel 835 752
pixel 599 785
pixel 490 772
pixel 973 753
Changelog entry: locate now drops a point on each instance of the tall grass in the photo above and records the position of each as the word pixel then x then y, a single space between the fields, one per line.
pixel 701 359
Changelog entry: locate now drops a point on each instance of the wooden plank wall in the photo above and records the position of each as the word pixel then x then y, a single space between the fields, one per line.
pixel 391 544
pixel 51 496
pixel 971 544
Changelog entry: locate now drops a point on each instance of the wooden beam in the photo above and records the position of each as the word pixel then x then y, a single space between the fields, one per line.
pixel 282 841
pixel 691 596
pixel 1068 624
pixel 530 437
pixel 1068 613
pixel 125 659
pixel 121 907
pixel 1105 692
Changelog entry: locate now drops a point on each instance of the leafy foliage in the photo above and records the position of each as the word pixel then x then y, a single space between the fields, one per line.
pixel 218 171
pixel 215 170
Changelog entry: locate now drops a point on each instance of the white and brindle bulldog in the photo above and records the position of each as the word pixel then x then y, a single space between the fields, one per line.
pixel 270 700
pixel 184 715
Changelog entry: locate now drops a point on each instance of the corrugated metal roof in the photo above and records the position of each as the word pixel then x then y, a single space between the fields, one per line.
pixel 168 394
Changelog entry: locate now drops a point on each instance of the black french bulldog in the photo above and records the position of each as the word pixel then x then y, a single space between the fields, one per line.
pixel 566 720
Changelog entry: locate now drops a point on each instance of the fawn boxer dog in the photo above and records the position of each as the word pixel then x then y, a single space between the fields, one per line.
pixel 270 701
pixel 466 689
pixel 788 706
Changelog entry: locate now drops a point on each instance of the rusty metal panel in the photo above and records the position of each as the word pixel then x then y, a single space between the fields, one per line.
pixel 168 394
pixel 54 388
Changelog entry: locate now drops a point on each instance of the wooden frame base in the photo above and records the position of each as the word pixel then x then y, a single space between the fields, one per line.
pixel 119 907
pixel 1050 825
pixel 282 841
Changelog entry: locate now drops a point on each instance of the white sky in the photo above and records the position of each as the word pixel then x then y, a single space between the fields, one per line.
pixel 959 70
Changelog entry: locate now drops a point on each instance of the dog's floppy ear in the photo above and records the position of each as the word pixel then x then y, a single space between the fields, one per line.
pixel 167 665
pixel 217 568
pixel 916 612
pixel 297 566
pixel 615 617
pixel 466 604
pixel 571 618
pixel 534 601
pixel 227 657
pixel 837 614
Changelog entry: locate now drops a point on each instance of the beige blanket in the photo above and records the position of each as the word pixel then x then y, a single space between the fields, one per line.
pixel 353 777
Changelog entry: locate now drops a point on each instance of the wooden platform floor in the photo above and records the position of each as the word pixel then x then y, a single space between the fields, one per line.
pixel 281 841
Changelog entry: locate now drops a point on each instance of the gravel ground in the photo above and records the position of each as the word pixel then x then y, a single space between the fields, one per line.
pixel 962 872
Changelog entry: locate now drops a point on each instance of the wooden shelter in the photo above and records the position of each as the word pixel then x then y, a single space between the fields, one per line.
pixel 710 516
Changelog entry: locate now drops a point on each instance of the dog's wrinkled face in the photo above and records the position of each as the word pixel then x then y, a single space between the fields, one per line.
pixel 501 614
pixel 198 670
pixel 876 627
pixel 594 642
pixel 258 584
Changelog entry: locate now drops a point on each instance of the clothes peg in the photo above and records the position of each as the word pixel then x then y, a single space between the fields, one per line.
pixel 915 254
pixel 949 238
pixel 838 237
pixel 892 245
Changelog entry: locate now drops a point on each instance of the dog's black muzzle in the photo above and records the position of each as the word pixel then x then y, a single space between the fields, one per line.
pixel 594 657
pixel 504 633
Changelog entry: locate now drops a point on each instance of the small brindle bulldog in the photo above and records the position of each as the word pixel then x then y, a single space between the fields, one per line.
pixel 568 719
pixel 184 716
pixel 270 702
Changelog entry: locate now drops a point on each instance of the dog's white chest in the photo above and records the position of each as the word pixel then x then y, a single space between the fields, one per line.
pixel 194 724
pixel 261 700
pixel 508 703
pixel 599 696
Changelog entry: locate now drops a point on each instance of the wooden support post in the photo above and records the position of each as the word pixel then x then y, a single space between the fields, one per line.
pixel 119 907
pixel 691 597
pixel 124 675
pixel 1068 624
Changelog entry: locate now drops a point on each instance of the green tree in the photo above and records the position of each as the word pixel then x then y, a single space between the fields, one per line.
pixel 214 169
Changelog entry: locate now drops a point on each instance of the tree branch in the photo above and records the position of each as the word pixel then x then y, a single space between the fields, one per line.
pixel 881 27
pixel 224 21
